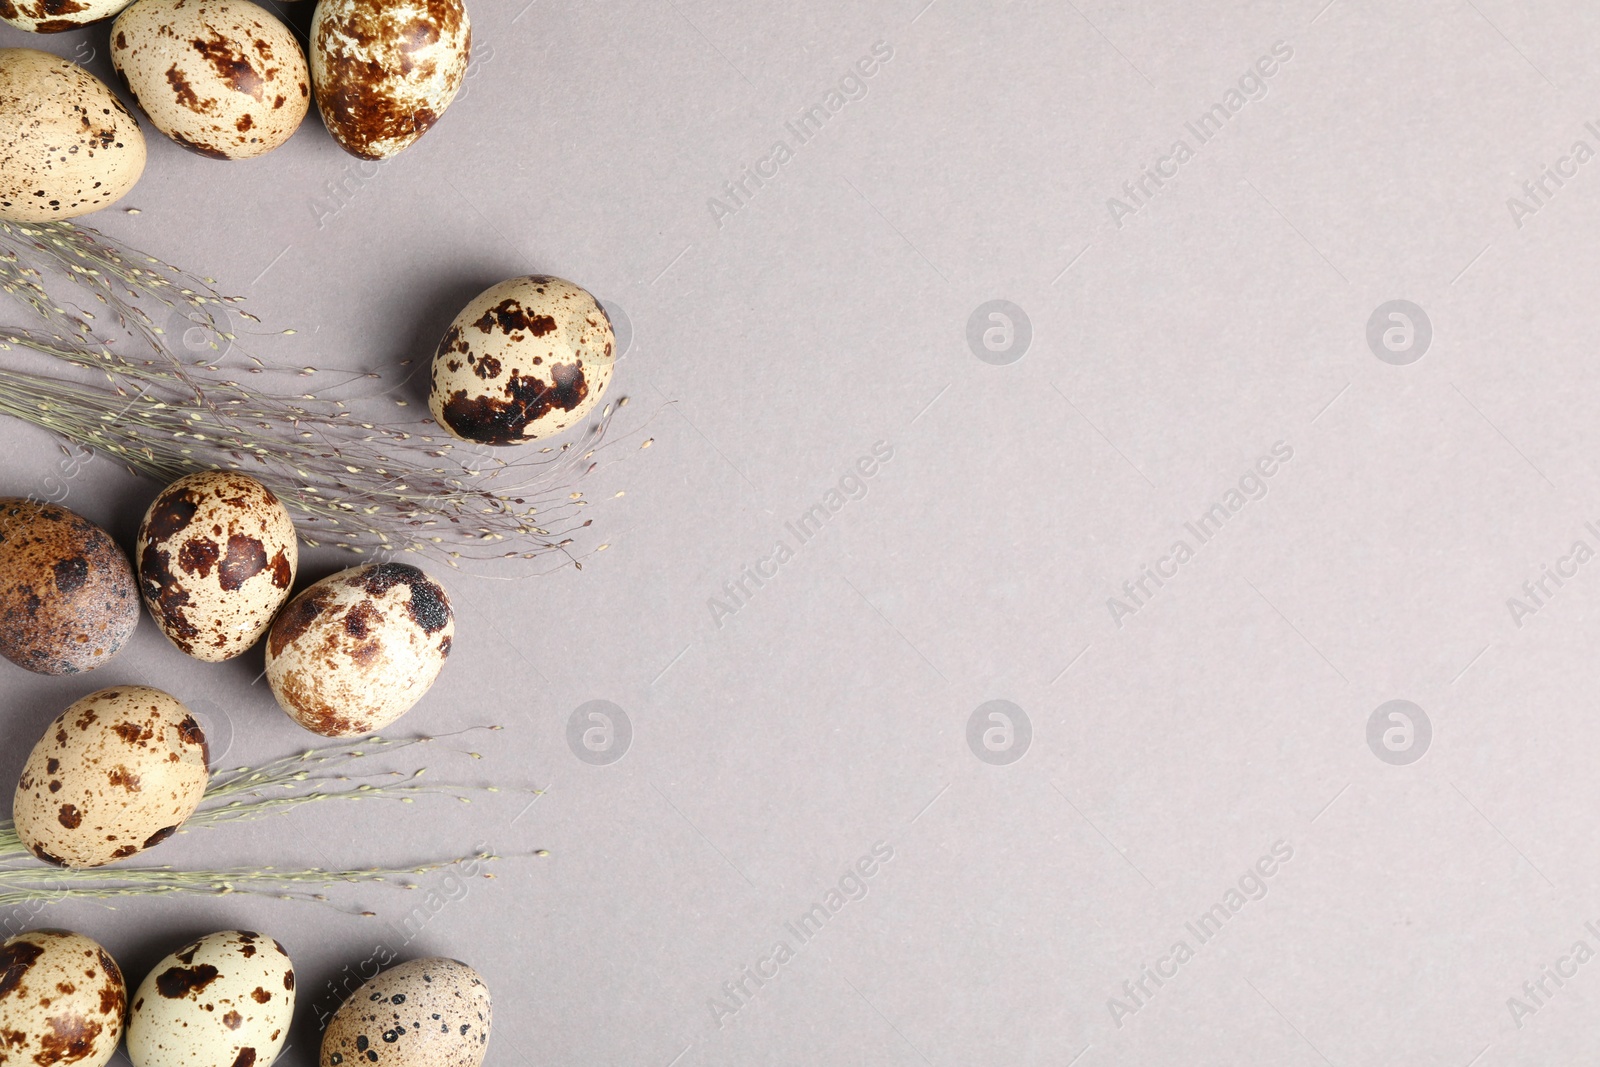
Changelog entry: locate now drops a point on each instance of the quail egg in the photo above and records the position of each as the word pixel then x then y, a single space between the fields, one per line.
pixel 67 144
pixel 225 1000
pixel 61 1000
pixel 53 16
pixel 354 652
pixel 217 556
pixel 68 599
pixel 423 1013
pixel 117 772
pixel 223 77
pixel 525 360
pixel 385 70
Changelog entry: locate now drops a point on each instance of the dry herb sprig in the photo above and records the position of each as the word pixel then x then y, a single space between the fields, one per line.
pixel 310 777
pixel 358 483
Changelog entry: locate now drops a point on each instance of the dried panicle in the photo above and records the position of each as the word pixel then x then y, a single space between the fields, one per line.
pixel 365 485
pixel 309 778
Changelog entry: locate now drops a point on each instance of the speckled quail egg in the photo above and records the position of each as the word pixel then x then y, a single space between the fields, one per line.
pixel 61 1000
pixel 217 555
pixel 225 1000
pixel 385 70
pixel 53 16
pixel 357 650
pixel 118 772
pixel 525 360
pixel 67 144
pixel 223 77
pixel 423 1013
pixel 68 600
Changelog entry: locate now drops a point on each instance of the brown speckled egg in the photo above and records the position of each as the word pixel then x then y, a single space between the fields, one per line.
pixel 68 600
pixel 67 144
pixel 225 1000
pixel 525 360
pixel 357 650
pixel 53 16
pixel 223 77
pixel 217 556
pixel 118 772
pixel 423 1013
pixel 61 1000
pixel 385 70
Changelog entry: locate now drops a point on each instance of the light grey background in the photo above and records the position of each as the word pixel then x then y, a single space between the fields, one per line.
pixel 774 346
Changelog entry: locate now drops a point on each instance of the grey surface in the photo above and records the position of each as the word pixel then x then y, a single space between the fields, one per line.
pixel 1169 753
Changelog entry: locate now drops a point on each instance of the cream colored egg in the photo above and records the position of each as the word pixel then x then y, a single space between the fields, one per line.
pixel 225 1000
pixel 224 77
pixel 422 1013
pixel 386 70
pixel 118 772
pixel 357 650
pixel 217 555
pixel 67 145
pixel 53 16
pixel 61 1000
pixel 527 359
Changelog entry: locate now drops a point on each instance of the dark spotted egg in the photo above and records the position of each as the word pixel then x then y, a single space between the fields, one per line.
pixel 118 772
pixel 385 70
pixel 424 1013
pixel 527 359
pixel 223 77
pixel 53 16
pixel 61 1001
pixel 225 1000
pixel 357 650
pixel 68 601
pixel 217 556
pixel 68 146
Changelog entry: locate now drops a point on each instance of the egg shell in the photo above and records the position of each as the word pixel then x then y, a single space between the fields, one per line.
pixel 68 146
pixel 217 557
pixel 68 599
pixel 357 650
pixel 524 360
pixel 422 1013
pixel 225 1000
pixel 61 1000
pixel 224 77
pixel 386 70
pixel 53 16
pixel 116 773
